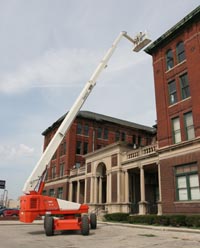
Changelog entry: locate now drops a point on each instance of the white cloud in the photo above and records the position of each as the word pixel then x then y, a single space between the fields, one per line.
pixel 62 68
pixel 10 152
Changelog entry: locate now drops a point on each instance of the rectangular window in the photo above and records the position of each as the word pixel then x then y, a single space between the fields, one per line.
pixel 105 134
pixel 176 131
pixel 86 130
pixel 169 59
pixel 139 140
pixel 134 139
pixel 187 182
pixel 117 136
pixel 63 149
pixel 53 171
pixel 60 193
pixel 123 136
pixel 99 133
pixel 189 126
pixel 172 92
pixel 77 165
pixel 85 148
pixel 182 188
pixel 51 192
pixel 44 192
pixel 180 51
pixel 184 84
pixel 79 128
pixel 78 147
pixel 61 173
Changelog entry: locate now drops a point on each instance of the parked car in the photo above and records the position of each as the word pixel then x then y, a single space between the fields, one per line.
pixel 11 212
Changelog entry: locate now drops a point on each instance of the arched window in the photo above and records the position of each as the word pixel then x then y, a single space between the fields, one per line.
pixel 180 51
pixel 169 59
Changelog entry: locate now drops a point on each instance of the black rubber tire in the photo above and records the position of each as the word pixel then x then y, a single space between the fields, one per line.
pixel 49 226
pixel 93 221
pixel 85 225
pixel 45 217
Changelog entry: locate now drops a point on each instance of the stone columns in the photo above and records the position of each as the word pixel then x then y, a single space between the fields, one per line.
pixel 100 190
pixel 118 186
pixel 142 203
pixel 95 190
pixel 70 191
pixel 92 190
pixel 108 188
pixel 78 192
pixel 159 203
pixel 85 192
pixel 126 190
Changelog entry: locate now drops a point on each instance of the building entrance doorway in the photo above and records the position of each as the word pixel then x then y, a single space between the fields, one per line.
pixel 101 189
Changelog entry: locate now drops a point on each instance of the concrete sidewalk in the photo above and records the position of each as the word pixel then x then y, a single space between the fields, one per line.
pixel 160 228
pixel 17 222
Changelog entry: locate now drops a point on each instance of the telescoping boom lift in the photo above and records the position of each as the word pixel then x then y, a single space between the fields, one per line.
pixel 33 203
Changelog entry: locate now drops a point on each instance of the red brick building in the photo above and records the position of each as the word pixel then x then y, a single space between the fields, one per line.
pixel 176 65
pixel 88 133
pixel 119 166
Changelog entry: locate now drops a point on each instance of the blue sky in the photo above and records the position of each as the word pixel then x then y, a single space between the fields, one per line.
pixel 50 48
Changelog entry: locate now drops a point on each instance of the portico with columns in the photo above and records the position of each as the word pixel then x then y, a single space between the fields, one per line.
pixel 119 179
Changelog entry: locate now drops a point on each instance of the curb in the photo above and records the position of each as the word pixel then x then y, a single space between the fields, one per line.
pixel 156 228
pixel 17 222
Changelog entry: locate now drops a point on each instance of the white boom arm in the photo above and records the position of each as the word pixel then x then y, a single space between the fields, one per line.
pixel 32 182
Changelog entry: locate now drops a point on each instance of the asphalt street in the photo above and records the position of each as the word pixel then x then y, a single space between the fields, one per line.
pixel 15 235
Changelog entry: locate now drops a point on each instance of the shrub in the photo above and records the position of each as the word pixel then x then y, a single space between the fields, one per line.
pixel 142 219
pixel 192 220
pixel 117 217
pixel 177 220
pixel 162 220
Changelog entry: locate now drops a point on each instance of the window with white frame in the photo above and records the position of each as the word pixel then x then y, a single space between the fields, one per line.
pixel 189 126
pixel 61 172
pixel 60 193
pixel 184 84
pixel 51 192
pixel 180 52
pixel 176 130
pixel 169 59
pixel 172 92
pixel 53 171
pixel 187 182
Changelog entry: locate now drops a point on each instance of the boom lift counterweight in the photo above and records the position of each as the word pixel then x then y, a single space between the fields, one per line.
pixel 33 203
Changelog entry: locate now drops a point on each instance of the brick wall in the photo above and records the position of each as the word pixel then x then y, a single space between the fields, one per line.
pixel 191 38
pixel 168 185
